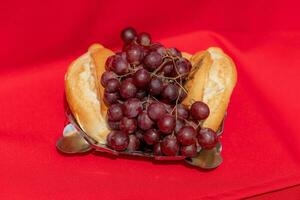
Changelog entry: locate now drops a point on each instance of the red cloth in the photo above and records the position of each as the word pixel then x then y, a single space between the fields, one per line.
pixel 261 139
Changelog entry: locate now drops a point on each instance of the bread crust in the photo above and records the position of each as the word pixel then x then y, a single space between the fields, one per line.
pixel 82 94
pixel 212 83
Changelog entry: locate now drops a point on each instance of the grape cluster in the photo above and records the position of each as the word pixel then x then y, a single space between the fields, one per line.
pixel 144 88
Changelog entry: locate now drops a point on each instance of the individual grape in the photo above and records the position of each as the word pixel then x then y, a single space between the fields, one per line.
pixel 128 125
pixel 134 53
pixel 128 34
pixel 155 86
pixel 144 121
pixel 119 65
pixel 107 75
pixel 112 85
pixel 174 52
pixel 199 110
pixel 166 124
pixel 134 143
pixel 156 111
pixel 117 140
pixel 132 107
pixel 152 60
pixel 169 145
pixel 114 125
pixel 151 136
pixel 114 112
pixel 128 89
pixel 168 69
pixel 207 138
pixel 179 125
pixel 189 151
pixel 144 39
pixel 170 92
pixel 186 135
pixel 182 111
pixel 141 78
pixel 157 149
pixel 111 98
pixel 141 94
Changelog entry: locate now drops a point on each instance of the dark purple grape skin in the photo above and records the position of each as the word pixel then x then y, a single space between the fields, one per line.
pixel 182 111
pixel 141 78
pixel 144 121
pixel 144 39
pixel 199 110
pixel 134 143
pixel 157 149
pixel 114 125
pixel 179 124
pixel 122 54
pixel 119 65
pixel 186 135
pixel 151 136
pixel 183 67
pixel 128 125
pixel 188 151
pixel 117 140
pixel 107 75
pixel 112 85
pixel 128 34
pixel 152 60
pixel 114 112
pixel 134 53
pixel 128 89
pixel 166 124
pixel 168 69
pixel 155 86
pixel 170 146
pixel 111 98
pixel 182 95
pixel 170 92
pixel 207 138
pixel 174 52
pixel 132 107
pixel 156 111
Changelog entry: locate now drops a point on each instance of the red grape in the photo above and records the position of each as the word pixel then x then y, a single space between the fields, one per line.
pixel 155 86
pixel 152 60
pixel 156 110
pixel 134 143
pixel 141 78
pixel 144 39
pixel 174 52
pixel 119 65
pixel 207 138
pixel 166 124
pixel 112 85
pixel 144 121
pixel 107 75
pixel 128 125
pixel 169 145
pixel 199 110
pixel 170 92
pixel 114 125
pixel 151 136
pixel 157 149
pixel 186 135
pixel 132 107
pixel 114 112
pixel 134 53
pixel 179 125
pixel 128 34
pixel 117 140
pixel 128 89
pixel 182 111
pixel 111 98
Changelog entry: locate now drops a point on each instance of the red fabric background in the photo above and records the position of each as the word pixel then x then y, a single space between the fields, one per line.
pixel 261 140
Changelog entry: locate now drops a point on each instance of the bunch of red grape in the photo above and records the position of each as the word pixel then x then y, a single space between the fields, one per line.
pixel 144 88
